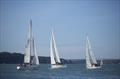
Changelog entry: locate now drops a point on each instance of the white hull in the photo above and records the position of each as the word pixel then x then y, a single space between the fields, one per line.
pixel 58 66
pixel 93 67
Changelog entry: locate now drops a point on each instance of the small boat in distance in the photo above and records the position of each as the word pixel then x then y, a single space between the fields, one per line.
pixel 101 62
pixel 29 61
pixel 54 56
pixel 91 62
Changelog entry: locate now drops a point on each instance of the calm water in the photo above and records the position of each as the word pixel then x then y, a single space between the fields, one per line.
pixel 73 71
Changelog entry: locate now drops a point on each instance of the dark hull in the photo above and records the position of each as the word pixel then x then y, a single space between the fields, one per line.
pixel 29 67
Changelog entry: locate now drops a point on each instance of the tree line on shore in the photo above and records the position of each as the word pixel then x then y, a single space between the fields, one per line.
pixel 18 58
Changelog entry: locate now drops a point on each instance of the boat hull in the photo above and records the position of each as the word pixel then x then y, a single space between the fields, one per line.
pixel 93 67
pixel 23 68
pixel 27 67
pixel 57 66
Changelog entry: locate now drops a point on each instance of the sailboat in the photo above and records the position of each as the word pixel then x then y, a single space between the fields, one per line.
pixel 91 62
pixel 30 61
pixel 54 56
pixel 101 62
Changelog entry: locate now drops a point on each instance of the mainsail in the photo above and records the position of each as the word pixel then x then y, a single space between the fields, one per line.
pixel 35 59
pixel 53 51
pixel 30 48
pixel 90 58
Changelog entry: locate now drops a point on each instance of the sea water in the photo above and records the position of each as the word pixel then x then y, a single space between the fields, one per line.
pixel 73 71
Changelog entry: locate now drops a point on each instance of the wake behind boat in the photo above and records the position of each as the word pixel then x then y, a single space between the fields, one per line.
pixel 91 62
pixel 55 59
pixel 29 61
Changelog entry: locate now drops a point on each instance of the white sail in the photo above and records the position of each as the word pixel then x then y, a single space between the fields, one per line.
pixel 101 62
pixel 35 59
pixel 27 55
pixel 90 58
pixel 30 48
pixel 53 51
pixel 88 63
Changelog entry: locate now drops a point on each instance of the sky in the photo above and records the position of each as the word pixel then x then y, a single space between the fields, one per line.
pixel 72 21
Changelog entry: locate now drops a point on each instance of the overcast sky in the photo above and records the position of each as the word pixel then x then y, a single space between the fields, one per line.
pixel 72 20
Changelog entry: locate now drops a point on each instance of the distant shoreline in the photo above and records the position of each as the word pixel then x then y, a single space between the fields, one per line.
pixel 17 58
